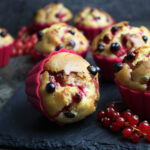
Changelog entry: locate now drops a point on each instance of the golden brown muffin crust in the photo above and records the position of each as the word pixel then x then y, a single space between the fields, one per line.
pixel 127 37
pixel 61 35
pixel 53 13
pixel 93 17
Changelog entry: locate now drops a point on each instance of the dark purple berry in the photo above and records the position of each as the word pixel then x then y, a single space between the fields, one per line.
pixel 3 34
pixel 69 114
pixel 114 29
pixel 72 32
pixel 39 35
pixel 50 87
pixel 92 70
pixel 58 48
pixel 100 47
pixel 114 47
pixel 117 67
pixel 145 38
pixel 130 56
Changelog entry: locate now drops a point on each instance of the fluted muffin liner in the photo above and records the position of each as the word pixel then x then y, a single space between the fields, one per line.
pixel 91 32
pixel 39 55
pixel 137 101
pixel 5 54
pixel 106 64
pixel 33 84
pixel 39 26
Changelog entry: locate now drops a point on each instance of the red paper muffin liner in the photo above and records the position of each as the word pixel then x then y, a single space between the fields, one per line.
pixel 106 64
pixel 137 101
pixel 39 55
pixel 39 26
pixel 91 32
pixel 33 84
pixel 5 54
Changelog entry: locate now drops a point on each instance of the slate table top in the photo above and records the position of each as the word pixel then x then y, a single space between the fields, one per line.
pixel 24 127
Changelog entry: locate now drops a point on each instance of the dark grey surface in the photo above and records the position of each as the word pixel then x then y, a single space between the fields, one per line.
pixel 14 13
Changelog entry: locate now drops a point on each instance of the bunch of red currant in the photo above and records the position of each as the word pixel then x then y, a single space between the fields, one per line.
pixel 24 42
pixel 125 121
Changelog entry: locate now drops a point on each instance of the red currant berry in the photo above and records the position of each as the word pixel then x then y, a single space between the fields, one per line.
pixel 23 29
pixel 120 122
pixel 33 39
pixel 34 56
pixel 13 52
pixel 106 121
pixel 19 44
pixel 101 114
pixel 148 136
pixel 126 114
pixel 135 137
pixel 19 52
pixel 114 127
pixel 26 51
pixel 29 45
pixel 127 132
pixel 113 105
pixel 116 115
pixel 110 111
pixel 134 119
pixel 144 126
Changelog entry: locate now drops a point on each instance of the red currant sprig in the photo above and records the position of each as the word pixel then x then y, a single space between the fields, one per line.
pixel 24 42
pixel 125 121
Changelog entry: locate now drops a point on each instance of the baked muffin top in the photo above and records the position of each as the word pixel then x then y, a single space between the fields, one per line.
pixel 53 13
pixel 68 90
pixel 117 40
pixel 59 36
pixel 5 38
pixel 134 72
pixel 93 17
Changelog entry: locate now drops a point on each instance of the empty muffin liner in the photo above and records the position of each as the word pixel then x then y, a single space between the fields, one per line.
pixel 106 64
pixel 33 84
pixel 137 101
pixel 91 32
pixel 39 55
pixel 5 54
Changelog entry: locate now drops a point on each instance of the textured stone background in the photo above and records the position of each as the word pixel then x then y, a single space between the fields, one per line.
pixel 15 13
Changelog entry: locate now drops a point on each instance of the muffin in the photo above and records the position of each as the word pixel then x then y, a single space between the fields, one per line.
pixel 112 44
pixel 91 21
pixel 60 36
pixel 50 14
pixel 133 80
pixel 6 44
pixel 64 87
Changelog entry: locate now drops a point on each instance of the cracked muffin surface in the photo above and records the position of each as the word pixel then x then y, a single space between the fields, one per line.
pixel 60 36
pixel 68 88
pixel 117 40
pixel 93 17
pixel 52 13
pixel 134 72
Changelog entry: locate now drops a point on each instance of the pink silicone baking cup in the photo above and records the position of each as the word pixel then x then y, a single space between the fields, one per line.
pixel 91 32
pixel 106 64
pixel 5 54
pixel 33 84
pixel 39 26
pixel 40 55
pixel 137 101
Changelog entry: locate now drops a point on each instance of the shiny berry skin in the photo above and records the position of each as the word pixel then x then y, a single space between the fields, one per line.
pixel 100 47
pixel 58 48
pixel 114 29
pixel 110 111
pixel 14 52
pixel 71 32
pixel 114 47
pixel 77 97
pixel 106 39
pixel 101 114
pixel 127 114
pixel 113 105
pixel 98 69
pixel 50 87
pixel 120 121
pixel 29 45
pixel 127 132
pixel 134 119
pixel 69 114
pixel 114 127
pixel 117 67
pixel 145 38
pixel 39 35
pixel 106 121
pixel 144 126
pixel 92 70
pixel 130 56
pixel 135 137
pixel 3 34
pixel 33 39
pixel 116 115
pixel 19 44
pixel 19 52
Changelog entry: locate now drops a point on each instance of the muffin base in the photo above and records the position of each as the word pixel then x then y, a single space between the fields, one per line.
pixel 137 101
pixel 5 54
pixel 33 85
pixel 39 56
pixel 106 65
pixel 91 32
